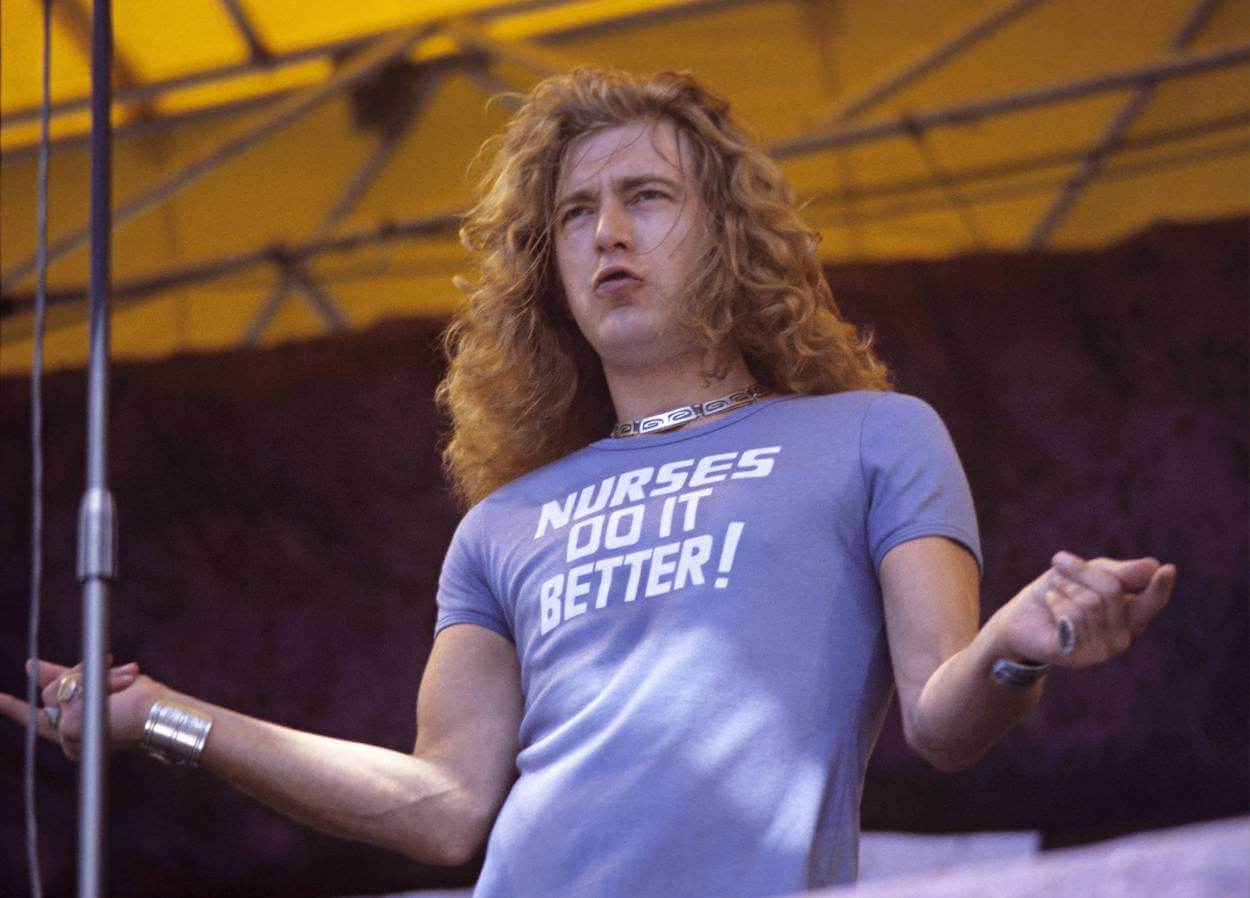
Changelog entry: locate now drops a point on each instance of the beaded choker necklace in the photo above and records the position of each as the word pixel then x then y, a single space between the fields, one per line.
pixel 684 414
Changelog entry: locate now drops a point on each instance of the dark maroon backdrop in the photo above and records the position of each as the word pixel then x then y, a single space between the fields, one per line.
pixel 283 520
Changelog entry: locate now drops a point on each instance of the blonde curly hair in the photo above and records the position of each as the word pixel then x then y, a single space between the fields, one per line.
pixel 524 387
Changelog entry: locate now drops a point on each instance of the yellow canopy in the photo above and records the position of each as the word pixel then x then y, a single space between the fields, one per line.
pixel 282 168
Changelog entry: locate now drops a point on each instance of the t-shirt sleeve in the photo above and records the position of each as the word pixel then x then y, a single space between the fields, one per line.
pixel 914 481
pixel 464 592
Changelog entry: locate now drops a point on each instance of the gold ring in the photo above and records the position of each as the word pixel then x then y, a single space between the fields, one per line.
pixel 67 689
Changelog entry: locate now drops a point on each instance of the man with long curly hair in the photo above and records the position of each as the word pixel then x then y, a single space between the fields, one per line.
pixel 705 544
pixel 708 532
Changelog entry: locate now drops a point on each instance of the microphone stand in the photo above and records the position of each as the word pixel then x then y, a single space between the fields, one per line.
pixel 97 525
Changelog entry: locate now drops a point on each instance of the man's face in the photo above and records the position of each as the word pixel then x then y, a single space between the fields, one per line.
pixel 628 239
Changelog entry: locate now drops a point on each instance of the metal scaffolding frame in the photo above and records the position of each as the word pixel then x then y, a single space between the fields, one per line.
pixel 439 225
pixel 1173 66
pixel 296 278
pixel 297 275
pixel 525 54
pixel 910 194
pixel 355 70
pixel 1119 124
pixel 331 50
pixel 1044 184
pixel 950 190
pixel 837 126
pixel 1031 164
pixel 366 60
pixel 962 38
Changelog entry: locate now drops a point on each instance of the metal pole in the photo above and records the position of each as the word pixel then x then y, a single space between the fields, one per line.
pixel 97 544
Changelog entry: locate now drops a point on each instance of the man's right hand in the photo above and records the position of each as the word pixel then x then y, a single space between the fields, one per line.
pixel 131 696
pixel 435 804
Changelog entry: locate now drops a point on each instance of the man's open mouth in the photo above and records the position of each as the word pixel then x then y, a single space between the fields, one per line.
pixel 614 274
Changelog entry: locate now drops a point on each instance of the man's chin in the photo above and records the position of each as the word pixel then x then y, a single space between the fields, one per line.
pixel 623 327
pixel 643 348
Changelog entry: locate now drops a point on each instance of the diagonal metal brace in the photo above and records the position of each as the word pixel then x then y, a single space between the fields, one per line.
pixel 522 53
pixel 295 275
pixel 321 301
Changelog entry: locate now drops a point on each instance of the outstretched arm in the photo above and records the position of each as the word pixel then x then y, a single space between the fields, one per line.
pixel 953 710
pixel 435 805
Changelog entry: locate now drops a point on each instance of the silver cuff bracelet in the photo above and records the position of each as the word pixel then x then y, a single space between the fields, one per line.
pixel 1017 674
pixel 175 735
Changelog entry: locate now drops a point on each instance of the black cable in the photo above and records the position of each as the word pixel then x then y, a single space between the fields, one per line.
pixel 36 462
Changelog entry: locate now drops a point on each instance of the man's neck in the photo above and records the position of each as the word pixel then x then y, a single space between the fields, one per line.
pixel 637 393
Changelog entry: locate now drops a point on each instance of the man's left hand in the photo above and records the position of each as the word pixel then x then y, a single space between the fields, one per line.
pixel 1106 602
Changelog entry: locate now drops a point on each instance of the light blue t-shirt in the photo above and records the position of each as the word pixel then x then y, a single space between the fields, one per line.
pixel 702 643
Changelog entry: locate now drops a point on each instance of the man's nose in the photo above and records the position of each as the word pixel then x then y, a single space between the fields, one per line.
pixel 615 228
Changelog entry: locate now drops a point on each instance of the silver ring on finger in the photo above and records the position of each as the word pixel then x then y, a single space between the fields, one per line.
pixel 54 714
pixel 66 689
pixel 1067 635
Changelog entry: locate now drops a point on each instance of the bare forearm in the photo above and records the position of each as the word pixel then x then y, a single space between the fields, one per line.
pixel 962 712
pixel 348 789
pixel 953 709
pixel 435 805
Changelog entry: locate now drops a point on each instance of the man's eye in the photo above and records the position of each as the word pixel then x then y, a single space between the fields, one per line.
pixel 573 212
pixel 649 194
